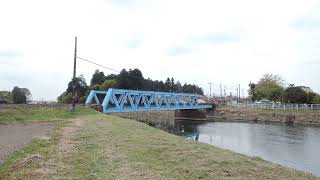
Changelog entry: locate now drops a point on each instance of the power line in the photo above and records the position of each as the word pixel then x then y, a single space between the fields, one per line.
pixel 104 66
pixel 97 64
pixel 83 59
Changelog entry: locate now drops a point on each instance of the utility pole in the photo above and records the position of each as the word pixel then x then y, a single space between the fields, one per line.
pixel 239 93
pixel 210 90
pixel 74 76
pixel 221 92
pixel 242 93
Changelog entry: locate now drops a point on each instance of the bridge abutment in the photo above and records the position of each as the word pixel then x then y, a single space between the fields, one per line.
pixel 194 114
pixel 190 113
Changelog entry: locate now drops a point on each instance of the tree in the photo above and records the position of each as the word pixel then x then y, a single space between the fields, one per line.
pixel 149 85
pixel 65 98
pixel 6 97
pixel 189 88
pixel 269 87
pixel 111 76
pixel 97 78
pixel 131 79
pixel 135 79
pixel 96 87
pixel 300 94
pixel 112 83
pixel 173 89
pixel 123 79
pixel 295 95
pixel 310 97
pixel 252 92
pixel 271 79
pixel 178 87
pixel 81 90
pixel 18 96
pixel 316 99
pixel 27 93
pixel 167 85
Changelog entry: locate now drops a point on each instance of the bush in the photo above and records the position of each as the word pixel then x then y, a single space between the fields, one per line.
pixel 316 100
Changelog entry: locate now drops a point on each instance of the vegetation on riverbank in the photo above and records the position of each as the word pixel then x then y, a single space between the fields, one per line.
pixel 98 146
pixel 12 112
pixel 308 117
pixel 272 87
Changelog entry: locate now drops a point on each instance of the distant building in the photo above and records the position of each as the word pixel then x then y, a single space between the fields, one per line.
pixel 264 101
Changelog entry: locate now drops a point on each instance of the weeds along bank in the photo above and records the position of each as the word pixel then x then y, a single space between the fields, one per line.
pixel 149 117
pixel 308 117
pixel 228 113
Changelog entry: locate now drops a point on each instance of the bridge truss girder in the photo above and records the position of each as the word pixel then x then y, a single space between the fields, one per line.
pixel 120 100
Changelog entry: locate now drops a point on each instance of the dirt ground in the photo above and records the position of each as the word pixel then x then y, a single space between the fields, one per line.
pixel 14 136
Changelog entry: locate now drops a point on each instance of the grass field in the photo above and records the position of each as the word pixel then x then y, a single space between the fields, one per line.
pixel 9 113
pixel 90 145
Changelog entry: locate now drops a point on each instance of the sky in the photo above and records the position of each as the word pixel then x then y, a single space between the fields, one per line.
pixel 226 42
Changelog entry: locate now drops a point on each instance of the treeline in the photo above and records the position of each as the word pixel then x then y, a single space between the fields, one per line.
pixel 272 87
pixel 16 96
pixel 131 79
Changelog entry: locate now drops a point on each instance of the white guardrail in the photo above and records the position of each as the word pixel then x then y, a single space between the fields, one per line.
pixel 278 106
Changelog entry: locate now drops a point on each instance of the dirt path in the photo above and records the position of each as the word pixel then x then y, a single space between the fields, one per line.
pixel 14 136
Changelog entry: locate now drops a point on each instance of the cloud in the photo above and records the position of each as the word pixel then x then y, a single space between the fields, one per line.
pixel 306 24
pixel 240 40
pixel 9 54
pixel 179 50
pixel 216 38
pixel 311 62
pixel 129 3
pixel 135 43
pixel 191 43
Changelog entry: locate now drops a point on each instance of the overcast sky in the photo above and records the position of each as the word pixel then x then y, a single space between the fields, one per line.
pixel 229 42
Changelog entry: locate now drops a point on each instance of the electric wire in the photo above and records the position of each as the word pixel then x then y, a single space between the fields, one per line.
pixel 97 64
pixel 83 59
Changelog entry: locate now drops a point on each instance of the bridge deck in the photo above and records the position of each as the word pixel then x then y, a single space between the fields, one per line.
pixel 121 100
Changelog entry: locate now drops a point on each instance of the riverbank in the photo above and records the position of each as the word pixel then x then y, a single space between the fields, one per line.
pixel 99 146
pixel 228 113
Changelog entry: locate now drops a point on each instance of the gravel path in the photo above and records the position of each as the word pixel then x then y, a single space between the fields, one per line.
pixel 14 136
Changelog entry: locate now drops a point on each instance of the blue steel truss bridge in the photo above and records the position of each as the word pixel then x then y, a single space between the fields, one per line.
pixel 121 100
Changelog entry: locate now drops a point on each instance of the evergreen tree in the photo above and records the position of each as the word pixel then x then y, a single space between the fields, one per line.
pixel 18 96
pixel 97 78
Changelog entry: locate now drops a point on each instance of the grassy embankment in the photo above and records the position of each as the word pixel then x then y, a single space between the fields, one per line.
pixel 89 145
pixel 311 117
pixel 10 113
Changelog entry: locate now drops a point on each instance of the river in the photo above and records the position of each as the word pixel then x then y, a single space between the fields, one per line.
pixel 293 146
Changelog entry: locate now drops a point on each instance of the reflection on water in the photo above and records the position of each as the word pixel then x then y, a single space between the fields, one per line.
pixel 295 146
pixel 177 127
